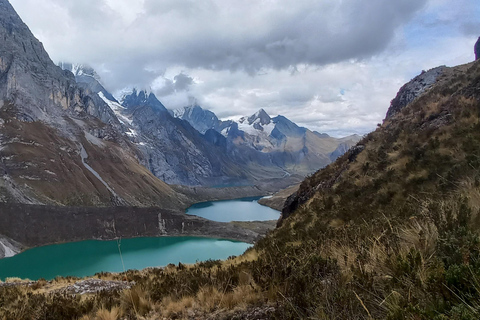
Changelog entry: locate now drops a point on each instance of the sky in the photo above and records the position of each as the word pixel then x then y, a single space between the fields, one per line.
pixel 330 65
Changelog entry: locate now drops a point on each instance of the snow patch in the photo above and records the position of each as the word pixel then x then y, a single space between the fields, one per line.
pixel 84 155
pixel 9 250
pixel 268 128
pixel 131 133
pixel 116 108
pixel 178 113
pixel 245 127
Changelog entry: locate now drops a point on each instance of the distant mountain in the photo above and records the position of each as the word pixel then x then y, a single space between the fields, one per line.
pixel 192 146
pixel 295 149
pixel 202 120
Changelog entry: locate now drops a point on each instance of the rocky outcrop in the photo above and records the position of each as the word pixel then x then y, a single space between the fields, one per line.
pixel 413 89
pixel 477 49
pixel 9 247
pixel 91 286
pixel 201 119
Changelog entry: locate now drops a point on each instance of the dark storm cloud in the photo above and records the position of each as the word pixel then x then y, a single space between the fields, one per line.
pixel 221 35
pixel 252 35
pixel 182 82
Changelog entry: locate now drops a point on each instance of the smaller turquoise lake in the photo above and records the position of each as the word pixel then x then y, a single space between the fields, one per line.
pixel 245 209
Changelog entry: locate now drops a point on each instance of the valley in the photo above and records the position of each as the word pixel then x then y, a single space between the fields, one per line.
pixel 78 164
pixel 132 203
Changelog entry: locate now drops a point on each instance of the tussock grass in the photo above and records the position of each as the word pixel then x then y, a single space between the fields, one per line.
pixel 136 301
pixel 105 314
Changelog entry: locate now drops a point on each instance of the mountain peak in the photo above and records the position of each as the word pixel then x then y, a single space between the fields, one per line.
pixel 142 98
pixel 79 69
pixel 261 117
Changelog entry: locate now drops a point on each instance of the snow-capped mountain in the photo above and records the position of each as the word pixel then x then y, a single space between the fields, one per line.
pixel 293 148
pixel 202 120
pixel 191 146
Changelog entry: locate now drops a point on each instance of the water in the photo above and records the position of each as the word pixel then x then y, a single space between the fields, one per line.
pixel 86 258
pixel 246 209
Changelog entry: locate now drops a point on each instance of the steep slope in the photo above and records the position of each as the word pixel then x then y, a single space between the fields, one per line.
pixel 399 213
pixel 59 143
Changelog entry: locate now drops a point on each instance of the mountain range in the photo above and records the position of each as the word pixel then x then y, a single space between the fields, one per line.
pixel 191 146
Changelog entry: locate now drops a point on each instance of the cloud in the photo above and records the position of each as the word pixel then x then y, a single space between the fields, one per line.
pixel 220 35
pixel 182 82
pixel 331 65
pixel 163 86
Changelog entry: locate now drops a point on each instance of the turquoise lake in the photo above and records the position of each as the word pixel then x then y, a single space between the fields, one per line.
pixel 85 258
pixel 246 209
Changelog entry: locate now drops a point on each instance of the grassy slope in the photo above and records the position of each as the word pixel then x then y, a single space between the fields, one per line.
pixel 392 233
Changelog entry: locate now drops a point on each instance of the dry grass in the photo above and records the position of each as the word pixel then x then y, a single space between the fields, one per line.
pixel 136 300
pixel 178 308
pixel 209 298
pixel 15 280
pixel 105 314
pixel 345 255
pixel 472 192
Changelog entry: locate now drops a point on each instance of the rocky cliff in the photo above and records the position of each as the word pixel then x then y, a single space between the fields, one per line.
pixel 414 88
pixel 60 143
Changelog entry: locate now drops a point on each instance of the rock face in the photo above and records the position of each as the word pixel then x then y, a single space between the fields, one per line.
pixel 60 143
pixel 174 151
pixel 9 247
pixel 41 225
pixel 411 90
pixel 477 49
pixel 202 120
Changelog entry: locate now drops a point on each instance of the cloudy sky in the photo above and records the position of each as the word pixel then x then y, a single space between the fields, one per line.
pixel 330 65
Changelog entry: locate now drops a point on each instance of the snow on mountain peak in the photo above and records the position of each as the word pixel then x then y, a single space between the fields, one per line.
pixel 116 108
pixel 79 69
pixel 258 124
